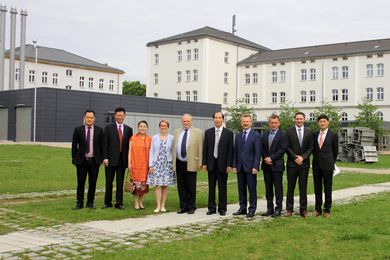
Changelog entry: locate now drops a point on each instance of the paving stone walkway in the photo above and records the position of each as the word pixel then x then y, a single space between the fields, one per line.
pixel 79 241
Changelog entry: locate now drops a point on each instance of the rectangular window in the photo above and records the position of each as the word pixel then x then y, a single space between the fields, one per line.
pixel 312 96
pixel 335 72
pixel 195 95
pixel 303 96
pixel 303 74
pixel 344 94
pixel 380 93
pixel 312 74
pixel 17 74
pixel 195 75
pixel 282 76
pixel 44 77
pixel 188 54
pixel 55 79
pixel 188 75
pixel 156 59
pixel 178 95
pixel 179 56
pixel 111 84
pixel 101 83
pixel 225 98
pixel 69 73
pixel 179 76
pixel 226 78
pixel 247 79
pixel 282 97
pixel 188 95
pixel 247 98
pixel 369 93
pixel 274 97
pixel 90 83
pixel 255 78
pixel 196 54
pixel 226 57
pixel 345 72
pixel 155 78
pixel 81 82
pixel 31 76
pixel 370 70
pixel 335 95
pixel 274 76
pixel 380 69
pixel 254 98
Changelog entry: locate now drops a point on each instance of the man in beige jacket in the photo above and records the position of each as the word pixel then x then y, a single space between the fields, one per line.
pixel 187 159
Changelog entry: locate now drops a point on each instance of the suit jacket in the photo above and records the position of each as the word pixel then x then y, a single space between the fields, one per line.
pixel 111 144
pixel 295 149
pixel 247 156
pixel 325 158
pixel 225 149
pixel 155 148
pixel 194 149
pixel 79 145
pixel 275 152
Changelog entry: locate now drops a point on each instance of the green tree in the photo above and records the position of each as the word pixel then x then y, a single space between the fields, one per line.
pixel 368 117
pixel 235 112
pixel 332 112
pixel 133 88
pixel 287 113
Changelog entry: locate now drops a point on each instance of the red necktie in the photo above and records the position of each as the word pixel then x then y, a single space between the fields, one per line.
pixel 321 139
pixel 120 137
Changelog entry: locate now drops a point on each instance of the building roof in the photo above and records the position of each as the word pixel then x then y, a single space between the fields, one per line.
pixel 327 50
pixel 63 58
pixel 209 32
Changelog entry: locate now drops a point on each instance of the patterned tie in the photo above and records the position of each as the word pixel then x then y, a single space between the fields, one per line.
pixel 244 137
pixel 184 144
pixel 216 143
pixel 88 139
pixel 120 137
pixel 300 136
pixel 321 139
pixel 271 138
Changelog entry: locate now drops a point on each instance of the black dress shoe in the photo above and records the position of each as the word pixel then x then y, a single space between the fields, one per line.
pixel 191 211
pixel 267 213
pixel 118 206
pixel 239 212
pixel 250 215
pixel 222 213
pixel 181 211
pixel 90 206
pixel 211 212
pixel 277 213
pixel 107 206
pixel 78 206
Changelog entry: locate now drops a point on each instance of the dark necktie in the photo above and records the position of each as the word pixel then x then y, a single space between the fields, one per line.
pixel 184 144
pixel 88 138
pixel 244 137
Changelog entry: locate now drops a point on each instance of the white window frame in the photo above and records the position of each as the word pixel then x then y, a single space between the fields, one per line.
pixel 282 76
pixel 303 74
pixel 254 98
pixel 369 93
pixel 274 76
pixel 380 72
pixel 370 70
pixel 344 94
pixel 55 79
pixel 313 75
pixel 303 96
pixel 335 72
pixel 196 54
pixel 195 76
pixel 274 97
pixel 380 93
pixel 345 72
pixel 282 97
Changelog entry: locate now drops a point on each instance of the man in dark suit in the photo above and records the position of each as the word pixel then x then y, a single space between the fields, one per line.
pixel 218 160
pixel 246 163
pixel 273 147
pixel 326 149
pixel 300 147
pixel 115 153
pixel 87 149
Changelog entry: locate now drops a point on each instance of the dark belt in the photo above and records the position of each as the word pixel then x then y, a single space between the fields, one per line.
pixel 89 158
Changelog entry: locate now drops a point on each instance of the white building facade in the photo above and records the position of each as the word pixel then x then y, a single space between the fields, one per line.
pixel 56 68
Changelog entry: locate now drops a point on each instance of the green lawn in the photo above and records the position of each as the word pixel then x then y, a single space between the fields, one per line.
pixel 360 230
pixel 383 163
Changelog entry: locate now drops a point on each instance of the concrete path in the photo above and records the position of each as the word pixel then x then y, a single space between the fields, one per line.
pixel 365 170
pixel 81 240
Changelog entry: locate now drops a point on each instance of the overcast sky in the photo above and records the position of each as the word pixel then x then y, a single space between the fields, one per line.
pixel 116 31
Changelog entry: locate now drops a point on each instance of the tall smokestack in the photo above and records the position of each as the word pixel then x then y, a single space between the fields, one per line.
pixel 3 12
pixel 23 15
pixel 13 12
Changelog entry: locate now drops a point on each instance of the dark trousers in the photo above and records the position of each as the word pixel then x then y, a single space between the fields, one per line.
pixel 91 169
pixel 111 171
pixel 293 173
pixel 244 180
pixel 222 177
pixel 273 180
pixel 325 178
pixel 186 186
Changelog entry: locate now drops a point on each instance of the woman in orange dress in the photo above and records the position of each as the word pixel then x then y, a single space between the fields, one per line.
pixel 139 147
